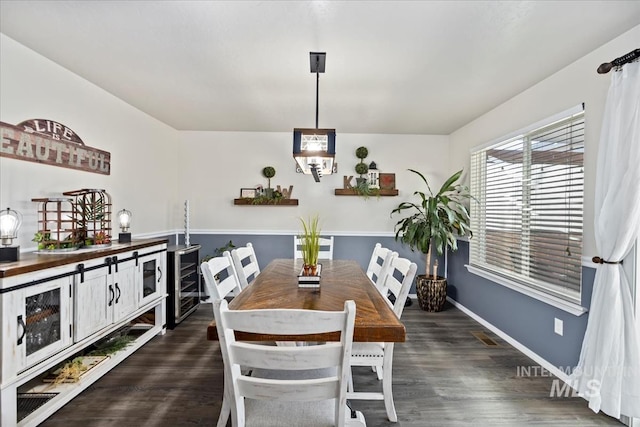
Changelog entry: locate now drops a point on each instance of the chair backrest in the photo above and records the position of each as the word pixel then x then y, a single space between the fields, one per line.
pixel 378 265
pixel 399 278
pixel 246 264
pixel 220 276
pixel 250 355
pixel 326 248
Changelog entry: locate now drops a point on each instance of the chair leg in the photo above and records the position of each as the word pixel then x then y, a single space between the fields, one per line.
pixel 225 411
pixel 387 381
pixel 378 370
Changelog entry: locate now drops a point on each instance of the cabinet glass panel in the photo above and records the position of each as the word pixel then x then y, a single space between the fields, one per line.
pixel 149 284
pixel 42 326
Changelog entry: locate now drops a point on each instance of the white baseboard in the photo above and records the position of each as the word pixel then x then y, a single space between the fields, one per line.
pixel 519 346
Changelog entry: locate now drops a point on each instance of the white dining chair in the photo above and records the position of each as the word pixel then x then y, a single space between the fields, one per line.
pixel 378 266
pixel 220 276
pixel 288 385
pixel 326 248
pixel 221 280
pixel 246 264
pixel 398 279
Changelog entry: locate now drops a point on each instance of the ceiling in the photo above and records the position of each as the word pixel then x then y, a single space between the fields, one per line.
pixel 402 67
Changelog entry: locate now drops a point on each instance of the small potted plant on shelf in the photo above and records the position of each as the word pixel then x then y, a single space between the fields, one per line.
pixel 268 172
pixel 363 188
pixel 361 168
pixel 310 245
pixel 435 221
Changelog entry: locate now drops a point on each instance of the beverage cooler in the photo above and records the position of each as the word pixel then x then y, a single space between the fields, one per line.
pixel 183 282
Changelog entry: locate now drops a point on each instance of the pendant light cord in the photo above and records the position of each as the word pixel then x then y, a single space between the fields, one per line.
pixel 317 87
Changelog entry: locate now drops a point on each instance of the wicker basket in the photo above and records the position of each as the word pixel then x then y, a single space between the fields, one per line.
pixel 432 293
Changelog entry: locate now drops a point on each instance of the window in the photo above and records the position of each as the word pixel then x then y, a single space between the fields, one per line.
pixel 527 218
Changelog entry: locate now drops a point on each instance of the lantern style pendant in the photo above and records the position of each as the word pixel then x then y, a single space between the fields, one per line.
pixel 314 149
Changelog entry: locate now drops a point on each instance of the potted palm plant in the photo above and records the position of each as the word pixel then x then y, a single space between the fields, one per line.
pixel 434 222
pixel 310 244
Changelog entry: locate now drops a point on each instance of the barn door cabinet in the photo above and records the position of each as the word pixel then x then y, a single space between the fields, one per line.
pixel 153 274
pixel 104 295
pixel 41 316
pixel 55 307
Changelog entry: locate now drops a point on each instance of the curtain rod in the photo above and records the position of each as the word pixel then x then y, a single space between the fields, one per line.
pixel 607 66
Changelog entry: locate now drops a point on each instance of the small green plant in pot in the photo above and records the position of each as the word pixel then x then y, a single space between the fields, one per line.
pixel 310 244
pixel 269 172
pixel 434 222
pixel 361 168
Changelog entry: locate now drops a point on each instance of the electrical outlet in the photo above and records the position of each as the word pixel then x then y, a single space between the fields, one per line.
pixel 558 326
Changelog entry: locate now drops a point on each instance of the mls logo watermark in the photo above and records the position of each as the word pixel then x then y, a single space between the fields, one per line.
pixel 559 388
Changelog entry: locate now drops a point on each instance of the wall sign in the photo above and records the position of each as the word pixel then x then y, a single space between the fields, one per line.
pixel 51 143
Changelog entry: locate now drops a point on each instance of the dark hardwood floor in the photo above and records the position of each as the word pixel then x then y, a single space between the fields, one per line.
pixel 443 376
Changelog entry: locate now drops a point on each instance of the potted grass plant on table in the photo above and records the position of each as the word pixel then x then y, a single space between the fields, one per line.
pixel 310 244
pixel 434 222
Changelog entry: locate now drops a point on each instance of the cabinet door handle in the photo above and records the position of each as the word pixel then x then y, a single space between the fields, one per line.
pixel 118 293
pixel 81 271
pixel 24 329
pixel 111 293
pixel 160 274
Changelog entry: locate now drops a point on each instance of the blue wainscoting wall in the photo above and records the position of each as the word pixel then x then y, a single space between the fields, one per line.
pixel 526 320
pixel 270 247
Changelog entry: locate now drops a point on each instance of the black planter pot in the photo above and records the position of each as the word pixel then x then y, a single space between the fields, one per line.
pixel 360 181
pixel 432 293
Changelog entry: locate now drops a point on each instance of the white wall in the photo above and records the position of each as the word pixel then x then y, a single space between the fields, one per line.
pixel 142 149
pixel 215 165
pixel 154 168
pixel 575 84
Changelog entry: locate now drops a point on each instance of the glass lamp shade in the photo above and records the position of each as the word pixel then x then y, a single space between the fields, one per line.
pixel 10 222
pixel 314 151
pixel 124 217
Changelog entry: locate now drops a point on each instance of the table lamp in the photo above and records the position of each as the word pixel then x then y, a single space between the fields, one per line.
pixel 10 222
pixel 125 222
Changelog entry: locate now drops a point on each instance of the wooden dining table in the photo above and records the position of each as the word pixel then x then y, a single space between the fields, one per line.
pixel 277 287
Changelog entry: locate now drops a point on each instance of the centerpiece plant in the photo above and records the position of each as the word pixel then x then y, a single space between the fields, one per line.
pixel 434 223
pixel 310 244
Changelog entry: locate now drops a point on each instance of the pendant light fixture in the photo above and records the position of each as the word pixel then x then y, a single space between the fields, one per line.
pixel 315 149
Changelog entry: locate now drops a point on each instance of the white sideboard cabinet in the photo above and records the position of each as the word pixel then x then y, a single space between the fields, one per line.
pixel 56 307
pixel 41 315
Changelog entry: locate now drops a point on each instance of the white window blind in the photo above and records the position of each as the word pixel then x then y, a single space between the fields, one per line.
pixel 527 222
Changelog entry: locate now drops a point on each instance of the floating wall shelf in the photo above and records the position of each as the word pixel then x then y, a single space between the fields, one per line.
pixel 352 192
pixel 282 202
